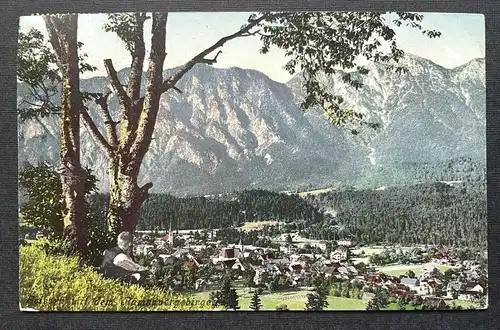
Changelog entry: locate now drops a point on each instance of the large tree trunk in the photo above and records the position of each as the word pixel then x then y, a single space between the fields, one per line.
pixel 126 197
pixel 126 150
pixel 62 30
pixel 136 125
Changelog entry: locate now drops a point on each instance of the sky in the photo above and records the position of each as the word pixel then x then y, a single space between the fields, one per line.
pixel 462 39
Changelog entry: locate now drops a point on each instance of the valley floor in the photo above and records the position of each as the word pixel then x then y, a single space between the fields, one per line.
pixel 296 300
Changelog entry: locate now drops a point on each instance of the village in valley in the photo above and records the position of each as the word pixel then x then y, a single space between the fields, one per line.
pixel 344 171
pixel 430 277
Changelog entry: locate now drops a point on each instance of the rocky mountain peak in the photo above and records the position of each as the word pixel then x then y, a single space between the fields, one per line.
pixel 236 129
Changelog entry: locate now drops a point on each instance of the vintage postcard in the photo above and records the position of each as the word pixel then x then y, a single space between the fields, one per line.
pixel 318 161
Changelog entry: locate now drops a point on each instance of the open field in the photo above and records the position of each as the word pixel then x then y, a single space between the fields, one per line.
pixel 314 192
pixel 377 249
pixel 257 225
pixel 345 304
pixel 396 270
pixel 294 299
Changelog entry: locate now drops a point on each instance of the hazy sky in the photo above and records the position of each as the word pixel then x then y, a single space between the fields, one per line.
pixel 189 33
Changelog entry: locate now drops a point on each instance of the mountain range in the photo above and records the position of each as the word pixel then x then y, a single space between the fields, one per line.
pixel 234 128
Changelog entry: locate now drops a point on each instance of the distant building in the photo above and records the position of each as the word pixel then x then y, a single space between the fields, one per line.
pixel 169 237
pixel 345 242
pixel 412 283
pixel 340 254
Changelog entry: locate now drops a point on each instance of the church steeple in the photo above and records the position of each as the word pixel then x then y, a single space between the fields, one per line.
pixel 170 235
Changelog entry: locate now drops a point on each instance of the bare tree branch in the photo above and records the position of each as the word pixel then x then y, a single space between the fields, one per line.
pixel 116 84
pixel 151 104
pixel 130 115
pixel 200 58
pixel 176 89
pixel 51 25
pixel 108 121
pixel 94 131
pixel 144 190
pixel 135 76
pixel 210 61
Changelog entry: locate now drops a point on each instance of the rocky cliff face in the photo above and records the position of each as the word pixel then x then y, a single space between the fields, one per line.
pixel 234 129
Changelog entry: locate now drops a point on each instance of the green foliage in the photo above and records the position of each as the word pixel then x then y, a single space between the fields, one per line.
pixel 37 68
pixel 128 27
pixel 391 256
pixel 163 274
pixel 482 301
pixel 373 305
pixel 45 206
pixel 56 283
pixel 397 215
pixel 382 297
pixel 226 296
pixel 54 247
pixel 409 215
pixel 410 274
pixel 249 276
pixel 320 42
pixel 224 212
pixel 255 303
pixel 317 300
pixel 282 308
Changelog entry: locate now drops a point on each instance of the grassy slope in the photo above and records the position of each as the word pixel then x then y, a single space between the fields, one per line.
pixel 57 283
pixel 294 299
pixel 418 270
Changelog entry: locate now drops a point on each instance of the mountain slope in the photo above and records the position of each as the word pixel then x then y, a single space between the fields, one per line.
pixel 429 114
pixel 233 129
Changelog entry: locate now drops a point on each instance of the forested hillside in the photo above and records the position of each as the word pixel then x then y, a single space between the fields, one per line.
pixel 221 212
pixel 440 213
pixel 409 173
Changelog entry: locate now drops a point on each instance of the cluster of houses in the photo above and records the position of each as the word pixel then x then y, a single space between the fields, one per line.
pixel 300 268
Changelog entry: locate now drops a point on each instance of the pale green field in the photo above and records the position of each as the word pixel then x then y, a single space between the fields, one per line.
pixel 396 270
pixel 346 304
pixel 314 192
pixel 249 226
pixel 295 300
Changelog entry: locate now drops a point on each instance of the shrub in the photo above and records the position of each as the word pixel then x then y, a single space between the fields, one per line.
pixel 58 283
pixel 44 210
pixel 44 206
pixel 282 308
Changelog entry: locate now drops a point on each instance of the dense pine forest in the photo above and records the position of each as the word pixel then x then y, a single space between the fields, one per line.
pixel 439 213
pixel 221 212
pixel 407 173
pixel 452 214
